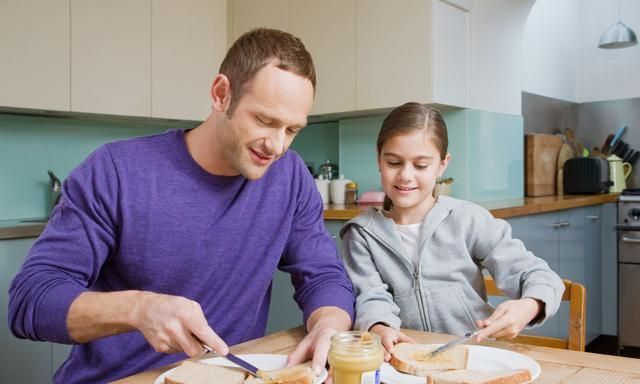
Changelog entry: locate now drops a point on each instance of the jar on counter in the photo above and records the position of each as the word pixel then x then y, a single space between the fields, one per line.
pixel 355 357
pixel 351 193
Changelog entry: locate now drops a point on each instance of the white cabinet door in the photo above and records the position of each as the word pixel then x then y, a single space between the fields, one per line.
pixel 188 43
pixel 34 41
pixel 450 54
pixel 249 14
pixel 393 58
pixel 328 30
pixel 111 57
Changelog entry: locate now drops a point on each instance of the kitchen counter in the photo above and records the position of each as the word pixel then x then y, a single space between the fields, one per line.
pixel 22 228
pixel 558 365
pixel 502 209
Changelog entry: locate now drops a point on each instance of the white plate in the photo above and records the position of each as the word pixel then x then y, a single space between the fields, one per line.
pixel 481 358
pixel 262 361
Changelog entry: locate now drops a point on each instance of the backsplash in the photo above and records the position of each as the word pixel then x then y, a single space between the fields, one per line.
pixel 592 122
pixel 486 154
pixel 30 145
pixel 488 169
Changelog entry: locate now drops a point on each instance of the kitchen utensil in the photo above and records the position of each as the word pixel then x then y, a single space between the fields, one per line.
pixel 244 365
pixel 606 147
pixel 329 171
pixel 565 154
pixel 55 190
pixel 634 157
pixel 452 344
pixel 618 173
pixel 570 137
pixel 541 163
pixel 629 155
pixel 618 135
pixel 337 189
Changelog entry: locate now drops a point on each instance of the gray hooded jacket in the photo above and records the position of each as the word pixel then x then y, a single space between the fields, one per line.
pixel 446 293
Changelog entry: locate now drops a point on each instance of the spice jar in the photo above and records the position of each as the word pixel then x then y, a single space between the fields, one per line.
pixel 351 193
pixel 355 357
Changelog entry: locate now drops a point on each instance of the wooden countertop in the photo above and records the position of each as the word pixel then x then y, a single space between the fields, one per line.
pixel 500 209
pixel 558 366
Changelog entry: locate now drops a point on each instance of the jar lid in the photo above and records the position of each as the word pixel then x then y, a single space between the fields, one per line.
pixel 352 185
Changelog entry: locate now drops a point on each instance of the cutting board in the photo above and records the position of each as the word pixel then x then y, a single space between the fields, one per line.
pixel 541 154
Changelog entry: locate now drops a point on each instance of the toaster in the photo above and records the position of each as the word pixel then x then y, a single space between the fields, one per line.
pixel 585 175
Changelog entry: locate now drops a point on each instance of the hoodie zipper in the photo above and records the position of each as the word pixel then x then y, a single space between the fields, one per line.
pixel 415 274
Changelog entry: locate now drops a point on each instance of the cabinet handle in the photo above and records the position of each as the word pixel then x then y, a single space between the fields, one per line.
pixel 557 225
pixel 592 217
pixel 565 223
pixel 630 240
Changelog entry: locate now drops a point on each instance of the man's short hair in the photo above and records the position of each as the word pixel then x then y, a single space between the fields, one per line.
pixel 255 49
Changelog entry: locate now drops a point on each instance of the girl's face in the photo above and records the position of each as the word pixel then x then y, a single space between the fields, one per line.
pixel 409 166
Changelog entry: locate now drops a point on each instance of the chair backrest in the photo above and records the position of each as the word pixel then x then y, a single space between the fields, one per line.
pixel 575 294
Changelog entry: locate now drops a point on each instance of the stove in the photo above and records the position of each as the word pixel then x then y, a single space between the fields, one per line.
pixel 628 230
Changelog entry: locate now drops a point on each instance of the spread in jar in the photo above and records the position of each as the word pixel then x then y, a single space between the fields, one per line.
pixel 355 358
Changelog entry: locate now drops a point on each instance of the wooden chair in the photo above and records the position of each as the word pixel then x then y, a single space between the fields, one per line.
pixel 575 293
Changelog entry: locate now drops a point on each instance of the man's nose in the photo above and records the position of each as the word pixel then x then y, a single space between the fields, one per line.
pixel 276 142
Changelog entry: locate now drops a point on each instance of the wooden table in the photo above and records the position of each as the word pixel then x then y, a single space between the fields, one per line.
pixel 558 366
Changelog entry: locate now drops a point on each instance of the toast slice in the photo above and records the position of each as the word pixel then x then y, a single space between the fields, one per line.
pixel 472 376
pixel 190 372
pixel 300 374
pixel 412 359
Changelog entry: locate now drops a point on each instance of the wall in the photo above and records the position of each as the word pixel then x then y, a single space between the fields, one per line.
pixel 495 57
pixel 30 145
pixel 550 55
pixel 607 74
pixel 561 55
pixel 548 115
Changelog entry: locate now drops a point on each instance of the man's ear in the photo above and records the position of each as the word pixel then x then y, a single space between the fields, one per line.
pixel 221 93
pixel 443 164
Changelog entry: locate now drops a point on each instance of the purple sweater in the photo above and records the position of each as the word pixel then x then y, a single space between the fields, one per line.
pixel 141 214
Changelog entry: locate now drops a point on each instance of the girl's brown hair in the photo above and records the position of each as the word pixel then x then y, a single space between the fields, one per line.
pixel 408 118
pixel 255 49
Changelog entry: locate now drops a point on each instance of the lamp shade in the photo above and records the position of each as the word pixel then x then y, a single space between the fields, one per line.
pixel 618 36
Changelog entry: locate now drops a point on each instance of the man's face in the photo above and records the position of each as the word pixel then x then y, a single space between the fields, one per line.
pixel 265 121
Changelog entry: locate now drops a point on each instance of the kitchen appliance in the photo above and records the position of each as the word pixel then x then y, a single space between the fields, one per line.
pixel 628 230
pixel 328 170
pixel 618 173
pixel 585 175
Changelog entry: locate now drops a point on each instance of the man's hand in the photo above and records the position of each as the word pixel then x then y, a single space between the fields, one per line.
pixel 509 318
pixel 323 323
pixel 169 323
pixel 389 337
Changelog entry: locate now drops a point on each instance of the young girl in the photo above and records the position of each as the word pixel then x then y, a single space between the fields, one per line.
pixel 417 263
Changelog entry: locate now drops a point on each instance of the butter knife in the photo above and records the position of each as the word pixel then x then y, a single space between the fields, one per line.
pixel 238 361
pixel 452 344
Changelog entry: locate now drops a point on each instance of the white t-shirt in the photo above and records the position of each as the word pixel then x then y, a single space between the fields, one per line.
pixel 410 234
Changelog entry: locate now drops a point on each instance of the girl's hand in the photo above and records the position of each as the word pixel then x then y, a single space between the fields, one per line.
pixel 389 336
pixel 509 318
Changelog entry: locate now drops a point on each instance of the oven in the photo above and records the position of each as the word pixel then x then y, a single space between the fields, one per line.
pixel 628 230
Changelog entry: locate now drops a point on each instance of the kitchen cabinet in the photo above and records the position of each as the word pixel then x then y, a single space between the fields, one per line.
pixel 570 242
pixel 41 358
pixel 284 312
pixel 111 57
pixel 327 28
pixel 609 269
pixel 188 43
pixel 34 40
pixel 411 50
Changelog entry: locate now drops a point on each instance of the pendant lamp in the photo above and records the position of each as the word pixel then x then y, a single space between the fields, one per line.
pixel 618 35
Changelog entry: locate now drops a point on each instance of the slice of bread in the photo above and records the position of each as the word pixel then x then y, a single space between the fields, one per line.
pixel 412 359
pixel 300 374
pixel 190 372
pixel 472 376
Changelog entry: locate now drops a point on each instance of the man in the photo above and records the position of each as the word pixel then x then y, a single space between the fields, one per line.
pixel 167 243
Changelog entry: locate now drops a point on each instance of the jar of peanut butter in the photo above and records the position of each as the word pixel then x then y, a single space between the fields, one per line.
pixel 355 357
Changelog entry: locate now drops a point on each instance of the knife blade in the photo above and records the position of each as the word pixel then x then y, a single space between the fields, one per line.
pixel 244 364
pixel 452 344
